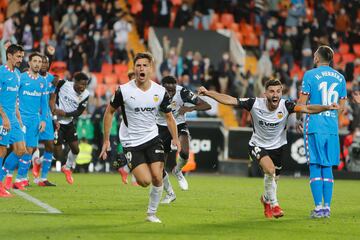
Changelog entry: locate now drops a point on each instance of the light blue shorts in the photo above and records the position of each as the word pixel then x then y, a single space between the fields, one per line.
pixel 48 134
pixel 323 149
pixel 14 135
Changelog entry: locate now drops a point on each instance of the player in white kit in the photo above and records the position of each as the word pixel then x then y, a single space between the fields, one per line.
pixel 140 100
pixel 269 118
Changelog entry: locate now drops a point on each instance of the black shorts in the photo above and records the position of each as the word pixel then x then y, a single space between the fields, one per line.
pixel 66 134
pixel 165 135
pixel 149 152
pixel 256 153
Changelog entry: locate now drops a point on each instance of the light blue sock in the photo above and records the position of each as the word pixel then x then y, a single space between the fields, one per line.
pixel 11 162
pixel 328 184
pixel 23 166
pixel 46 164
pixel 316 184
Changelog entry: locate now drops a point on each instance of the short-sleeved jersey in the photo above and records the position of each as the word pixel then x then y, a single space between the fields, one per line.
pixel 32 97
pixel 50 88
pixel 9 88
pixel 69 100
pixel 324 86
pixel 182 96
pixel 269 127
pixel 139 111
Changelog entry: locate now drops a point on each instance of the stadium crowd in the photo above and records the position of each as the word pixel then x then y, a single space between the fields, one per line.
pixel 281 34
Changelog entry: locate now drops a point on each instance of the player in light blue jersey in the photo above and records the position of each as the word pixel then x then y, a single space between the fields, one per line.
pixel 32 102
pixel 9 87
pixel 44 163
pixel 322 85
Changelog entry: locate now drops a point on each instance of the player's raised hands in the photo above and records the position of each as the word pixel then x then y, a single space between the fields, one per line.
pixel 202 91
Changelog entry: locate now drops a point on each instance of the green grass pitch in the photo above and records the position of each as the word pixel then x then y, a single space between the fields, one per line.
pixel 99 206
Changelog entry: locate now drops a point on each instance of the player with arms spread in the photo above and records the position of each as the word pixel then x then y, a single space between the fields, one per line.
pixel 269 115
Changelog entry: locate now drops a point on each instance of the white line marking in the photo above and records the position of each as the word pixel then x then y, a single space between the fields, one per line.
pixel 37 202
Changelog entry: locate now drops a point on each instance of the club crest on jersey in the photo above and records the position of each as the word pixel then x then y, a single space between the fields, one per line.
pixel 41 85
pixel 280 115
pixel 156 98
pixel 128 156
pixel 173 104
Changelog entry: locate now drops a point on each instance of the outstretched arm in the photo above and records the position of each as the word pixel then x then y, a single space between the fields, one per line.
pixel 221 98
pixel 311 109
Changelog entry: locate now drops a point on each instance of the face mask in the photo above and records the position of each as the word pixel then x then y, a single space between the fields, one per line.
pixel 184 7
pixel 76 41
pixel 98 21
pixel 70 10
pixel 36 10
pixel 96 37
pixel 27 28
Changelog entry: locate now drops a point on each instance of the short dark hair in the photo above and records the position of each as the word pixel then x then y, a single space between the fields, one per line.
pixel 168 80
pixel 79 76
pixel 14 48
pixel 146 55
pixel 35 54
pixel 325 53
pixel 272 82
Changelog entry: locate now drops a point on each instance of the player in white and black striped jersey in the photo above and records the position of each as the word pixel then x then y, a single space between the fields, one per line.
pixel 180 96
pixel 71 101
pixel 140 100
pixel 269 117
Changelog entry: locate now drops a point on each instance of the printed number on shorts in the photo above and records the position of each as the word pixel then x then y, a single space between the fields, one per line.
pixel 256 151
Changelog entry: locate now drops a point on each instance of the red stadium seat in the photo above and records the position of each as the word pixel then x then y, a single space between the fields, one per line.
pixel 344 48
pixel 120 68
pixel 176 2
pixel 107 68
pixel 110 79
pixel 99 77
pixel 100 90
pixel 349 57
pixel 356 48
pixel 214 20
pixel 337 58
pixel 123 78
pixel 240 37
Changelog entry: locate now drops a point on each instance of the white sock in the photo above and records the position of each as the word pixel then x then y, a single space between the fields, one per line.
pixel 270 189
pixel 133 178
pixel 126 168
pixel 167 185
pixel 181 163
pixel 71 159
pixel 36 156
pixel 154 200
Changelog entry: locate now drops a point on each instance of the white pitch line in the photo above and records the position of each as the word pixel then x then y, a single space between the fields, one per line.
pixel 37 202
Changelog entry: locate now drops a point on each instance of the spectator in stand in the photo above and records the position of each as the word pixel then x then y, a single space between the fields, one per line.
pixel 76 55
pixel 183 17
pixel 287 50
pixel 264 65
pixel 163 13
pixel 69 20
pixel 95 51
pixel 9 29
pixel 27 39
pixel 202 14
pixel 106 41
pixel 342 24
pixel 295 12
pixel 122 28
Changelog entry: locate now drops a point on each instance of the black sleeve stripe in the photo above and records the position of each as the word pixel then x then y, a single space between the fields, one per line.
pixel 118 101
pixel 57 90
pixel 246 103
pixel 290 106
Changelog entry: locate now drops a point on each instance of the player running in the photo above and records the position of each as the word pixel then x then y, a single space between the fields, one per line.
pixel 71 101
pixel 140 100
pixel 269 115
pixel 32 101
pixel 326 86
pixel 47 136
pixel 11 128
pixel 179 96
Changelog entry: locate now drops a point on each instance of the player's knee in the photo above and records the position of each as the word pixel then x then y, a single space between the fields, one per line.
pixel 144 182
pixel 184 155
pixel 20 151
pixel 270 170
pixel 157 181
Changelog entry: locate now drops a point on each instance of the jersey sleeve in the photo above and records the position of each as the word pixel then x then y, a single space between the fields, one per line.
pixel 59 85
pixel 342 92
pixel 165 104
pixel 188 97
pixel 117 99
pixel 305 88
pixel 246 103
pixel 290 106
